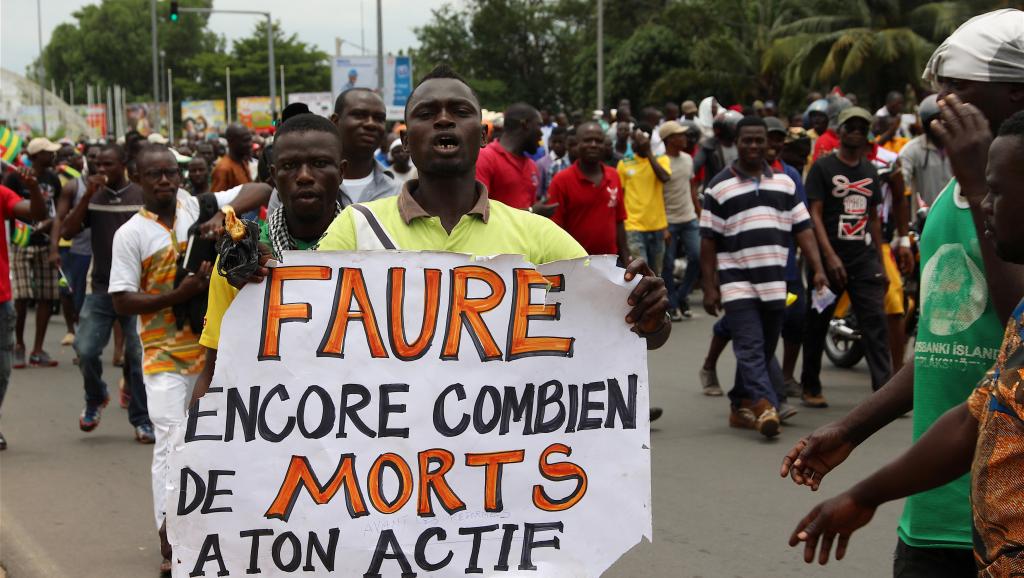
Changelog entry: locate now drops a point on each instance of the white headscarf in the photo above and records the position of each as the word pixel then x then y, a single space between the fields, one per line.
pixel 706 115
pixel 986 48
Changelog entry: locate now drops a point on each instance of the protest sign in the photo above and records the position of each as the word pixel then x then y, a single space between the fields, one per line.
pixel 418 414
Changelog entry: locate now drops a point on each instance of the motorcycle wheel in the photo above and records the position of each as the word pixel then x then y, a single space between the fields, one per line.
pixel 844 353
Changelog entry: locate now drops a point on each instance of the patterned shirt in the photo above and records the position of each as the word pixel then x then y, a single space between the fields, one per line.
pixel 752 222
pixel 145 259
pixel 997 474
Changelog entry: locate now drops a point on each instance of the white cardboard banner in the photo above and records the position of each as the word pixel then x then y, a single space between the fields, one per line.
pixel 506 433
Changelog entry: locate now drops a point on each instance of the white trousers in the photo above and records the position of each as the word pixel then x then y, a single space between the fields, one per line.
pixel 167 397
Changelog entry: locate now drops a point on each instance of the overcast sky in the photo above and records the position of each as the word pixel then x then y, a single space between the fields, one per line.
pixel 316 22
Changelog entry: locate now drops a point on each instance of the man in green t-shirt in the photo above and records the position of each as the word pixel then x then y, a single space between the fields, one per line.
pixel 961 323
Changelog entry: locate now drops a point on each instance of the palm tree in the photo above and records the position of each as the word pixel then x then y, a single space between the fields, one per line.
pixel 870 46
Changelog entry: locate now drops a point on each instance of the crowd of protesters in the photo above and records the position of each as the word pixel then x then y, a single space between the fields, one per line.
pixel 782 222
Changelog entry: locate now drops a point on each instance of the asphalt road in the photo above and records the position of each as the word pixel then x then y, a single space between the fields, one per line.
pixel 76 504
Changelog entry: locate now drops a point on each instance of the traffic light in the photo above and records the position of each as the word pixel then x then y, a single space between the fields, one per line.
pixel 174 11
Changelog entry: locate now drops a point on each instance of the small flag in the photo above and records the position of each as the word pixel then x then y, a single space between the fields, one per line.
pixel 10 144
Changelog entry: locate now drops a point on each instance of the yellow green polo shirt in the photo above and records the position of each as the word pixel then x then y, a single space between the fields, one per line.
pixel 490 228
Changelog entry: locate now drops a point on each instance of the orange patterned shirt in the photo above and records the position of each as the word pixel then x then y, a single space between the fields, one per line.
pixel 997 474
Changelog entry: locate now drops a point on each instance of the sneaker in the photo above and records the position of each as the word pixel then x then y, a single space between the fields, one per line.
pixel 685 312
pixel 69 340
pixel 767 422
pixel 786 412
pixel 3 442
pixel 675 315
pixel 19 358
pixel 144 434
pixel 118 360
pixel 125 395
pixel 91 416
pixel 742 418
pixel 41 359
pixel 793 388
pixel 656 413
pixel 813 400
pixel 709 382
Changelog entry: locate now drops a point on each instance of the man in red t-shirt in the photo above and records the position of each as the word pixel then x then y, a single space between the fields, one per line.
pixel 504 167
pixel 13 206
pixel 587 198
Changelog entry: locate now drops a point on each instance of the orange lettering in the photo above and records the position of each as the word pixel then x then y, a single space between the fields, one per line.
pixel 375 486
pixel 492 479
pixel 466 311
pixel 396 318
pixel 435 481
pixel 520 344
pixel 351 286
pixel 560 472
pixel 299 475
pixel 275 312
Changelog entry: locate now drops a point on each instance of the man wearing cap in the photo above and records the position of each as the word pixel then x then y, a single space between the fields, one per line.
pixel 844 193
pixel 35 278
pixel 689 109
pixel 978 71
pixel 681 210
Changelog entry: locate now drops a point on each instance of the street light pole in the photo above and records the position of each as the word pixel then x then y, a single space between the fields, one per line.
pixel 600 54
pixel 156 66
pixel 380 49
pixel 41 70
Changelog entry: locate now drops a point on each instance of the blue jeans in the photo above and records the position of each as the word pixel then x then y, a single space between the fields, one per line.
pixel 755 333
pixel 650 245
pixel 688 235
pixel 94 328
pixel 76 269
pixel 7 318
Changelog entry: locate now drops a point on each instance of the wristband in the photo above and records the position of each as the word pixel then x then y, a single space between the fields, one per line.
pixel 901 242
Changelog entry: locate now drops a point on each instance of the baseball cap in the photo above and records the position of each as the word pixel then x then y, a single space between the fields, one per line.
pixel 854 112
pixel 670 128
pixel 689 107
pixel 40 144
pixel 774 125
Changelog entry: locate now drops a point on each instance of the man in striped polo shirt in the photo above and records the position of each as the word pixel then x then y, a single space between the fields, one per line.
pixel 751 215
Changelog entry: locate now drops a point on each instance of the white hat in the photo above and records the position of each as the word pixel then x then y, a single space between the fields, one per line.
pixel 986 48
pixel 40 144
pixel 157 138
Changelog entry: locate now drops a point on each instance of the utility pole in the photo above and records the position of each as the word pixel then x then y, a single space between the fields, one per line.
pixel 227 75
pixel 380 49
pixel 270 49
pixel 283 100
pixel 156 66
pixel 170 108
pixel 600 54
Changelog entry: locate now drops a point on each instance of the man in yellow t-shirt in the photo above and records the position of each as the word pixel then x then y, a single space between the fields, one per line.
pixel 446 209
pixel 643 178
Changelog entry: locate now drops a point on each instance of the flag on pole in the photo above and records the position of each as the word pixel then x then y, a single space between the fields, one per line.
pixel 10 144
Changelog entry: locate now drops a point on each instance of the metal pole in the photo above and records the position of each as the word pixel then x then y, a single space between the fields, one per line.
pixel 273 83
pixel 284 99
pixel 380 49
pixel 156 66
pixel 170 107
pixel 71 92
pixel 227 74
pixel 600 54
pixel 41 71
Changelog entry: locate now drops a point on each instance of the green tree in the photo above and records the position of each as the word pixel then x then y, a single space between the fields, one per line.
pixel 307 69
pixel 110 43
pixel 865 46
